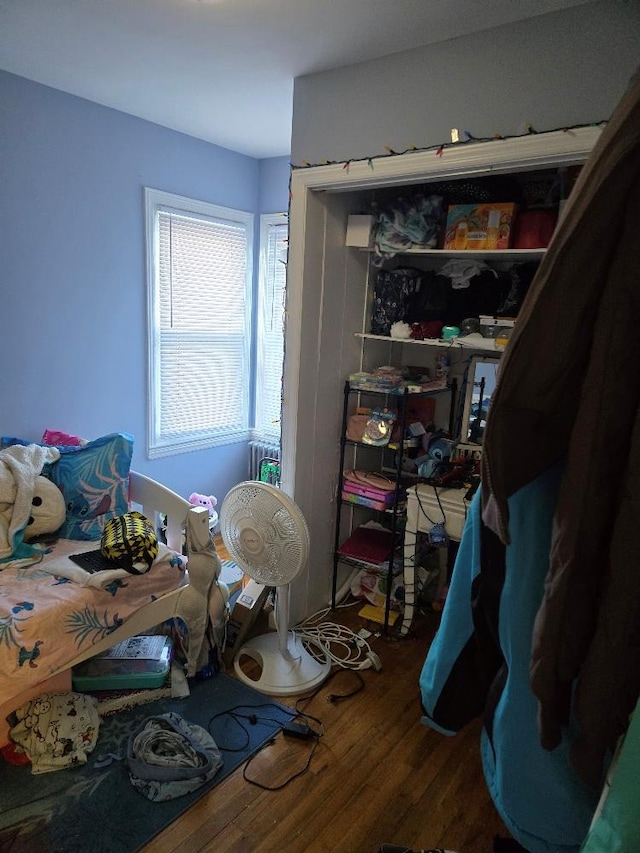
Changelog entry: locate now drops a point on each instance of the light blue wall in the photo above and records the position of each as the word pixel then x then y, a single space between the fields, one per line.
pixel 555 70
pixel 274 185
pixel 72 300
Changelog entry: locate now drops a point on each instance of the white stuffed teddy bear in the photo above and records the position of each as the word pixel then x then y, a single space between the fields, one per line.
pixel 48 509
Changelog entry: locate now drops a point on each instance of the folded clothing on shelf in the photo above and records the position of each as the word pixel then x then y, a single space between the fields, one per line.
pixel 385 379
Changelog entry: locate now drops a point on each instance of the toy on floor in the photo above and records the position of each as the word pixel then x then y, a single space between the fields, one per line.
pixel 208 501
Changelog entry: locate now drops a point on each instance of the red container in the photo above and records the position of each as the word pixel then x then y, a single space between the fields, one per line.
pixel 534 229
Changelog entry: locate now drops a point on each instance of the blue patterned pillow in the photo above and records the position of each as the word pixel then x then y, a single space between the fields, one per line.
pixel 94 480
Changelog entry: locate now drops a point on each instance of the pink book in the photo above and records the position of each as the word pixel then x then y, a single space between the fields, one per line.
pixel 385 497
pixel 349 497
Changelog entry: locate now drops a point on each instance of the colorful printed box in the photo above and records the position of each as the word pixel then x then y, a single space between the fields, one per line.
pixel 479 226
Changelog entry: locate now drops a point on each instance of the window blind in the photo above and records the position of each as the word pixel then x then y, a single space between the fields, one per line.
pixel 199 329
pixel 271 324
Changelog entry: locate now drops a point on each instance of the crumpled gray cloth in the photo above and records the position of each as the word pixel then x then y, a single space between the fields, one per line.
pixel 168 757
pixel 462 270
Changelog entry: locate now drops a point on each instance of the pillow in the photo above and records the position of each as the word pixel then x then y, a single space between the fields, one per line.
pixel 94 480
pixel 54 438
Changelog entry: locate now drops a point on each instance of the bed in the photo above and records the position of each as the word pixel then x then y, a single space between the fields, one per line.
pixel 34 658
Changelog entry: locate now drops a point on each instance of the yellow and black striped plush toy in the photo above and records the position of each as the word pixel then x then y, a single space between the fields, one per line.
pixel 130 541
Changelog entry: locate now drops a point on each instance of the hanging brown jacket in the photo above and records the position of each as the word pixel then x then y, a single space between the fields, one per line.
pixel 569 390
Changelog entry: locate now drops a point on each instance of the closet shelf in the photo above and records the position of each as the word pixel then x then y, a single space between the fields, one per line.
pixel 378 569
pixel 395 392
pixel 461 343
pixel 486 254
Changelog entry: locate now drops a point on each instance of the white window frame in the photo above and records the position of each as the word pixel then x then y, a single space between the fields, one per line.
pixel 159 445
pixel 261 431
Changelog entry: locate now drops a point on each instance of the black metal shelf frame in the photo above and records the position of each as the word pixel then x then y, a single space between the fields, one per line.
pixel 399 507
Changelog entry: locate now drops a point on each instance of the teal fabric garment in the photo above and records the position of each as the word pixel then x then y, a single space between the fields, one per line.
pixel 478 665
pixel 455 633
pixel 616 829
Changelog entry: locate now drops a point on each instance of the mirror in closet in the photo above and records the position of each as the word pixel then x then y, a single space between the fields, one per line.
pixel 478 390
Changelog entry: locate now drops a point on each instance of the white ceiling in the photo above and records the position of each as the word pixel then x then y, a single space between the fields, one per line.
pixel 223 70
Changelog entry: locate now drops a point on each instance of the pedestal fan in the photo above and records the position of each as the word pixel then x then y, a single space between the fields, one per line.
pixel 267 536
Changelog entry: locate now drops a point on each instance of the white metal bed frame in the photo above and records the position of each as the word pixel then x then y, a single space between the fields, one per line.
pixel 197 601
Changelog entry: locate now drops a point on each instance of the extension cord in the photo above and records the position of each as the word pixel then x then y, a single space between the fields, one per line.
pixel 332 637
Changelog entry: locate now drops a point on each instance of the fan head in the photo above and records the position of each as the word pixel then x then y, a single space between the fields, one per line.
pixel 265 533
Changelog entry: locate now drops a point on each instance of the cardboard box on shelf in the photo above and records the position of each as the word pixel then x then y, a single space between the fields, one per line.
pixel 493 319
pixel 479 226
pixel 245 612
pixel 360 231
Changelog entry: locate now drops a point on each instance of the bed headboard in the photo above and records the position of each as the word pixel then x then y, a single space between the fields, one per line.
pixel 153 498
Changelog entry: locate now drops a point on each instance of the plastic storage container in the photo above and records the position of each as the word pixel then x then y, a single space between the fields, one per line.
pixel 138 662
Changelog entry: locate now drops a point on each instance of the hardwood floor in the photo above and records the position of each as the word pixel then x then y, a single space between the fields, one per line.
pixel 221 548
pixel 376 775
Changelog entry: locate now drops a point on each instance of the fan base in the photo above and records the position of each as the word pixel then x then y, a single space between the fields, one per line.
pixel 279 676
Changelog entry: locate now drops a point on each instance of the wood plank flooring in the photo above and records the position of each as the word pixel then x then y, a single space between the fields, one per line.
pixel 376 775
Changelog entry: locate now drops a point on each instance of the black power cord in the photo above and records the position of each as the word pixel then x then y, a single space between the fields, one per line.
pixel 300 731
pixel 334 697
pixel 338 697
pixel 297 727
pixel 251 718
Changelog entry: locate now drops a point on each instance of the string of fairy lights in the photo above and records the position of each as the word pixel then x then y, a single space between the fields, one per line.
pixel 458 137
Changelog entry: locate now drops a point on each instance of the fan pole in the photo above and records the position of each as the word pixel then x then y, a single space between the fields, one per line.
pixel 286 666
pixel 281 616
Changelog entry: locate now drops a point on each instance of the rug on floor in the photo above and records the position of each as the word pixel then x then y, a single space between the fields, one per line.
pixel 97 809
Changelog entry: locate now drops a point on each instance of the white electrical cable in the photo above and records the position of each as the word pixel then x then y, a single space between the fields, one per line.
pixel 342 646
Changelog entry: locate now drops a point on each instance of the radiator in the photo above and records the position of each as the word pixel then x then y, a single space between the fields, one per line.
pixel 259 452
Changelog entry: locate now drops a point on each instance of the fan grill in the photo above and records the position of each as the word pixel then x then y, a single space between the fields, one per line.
pixel 265 533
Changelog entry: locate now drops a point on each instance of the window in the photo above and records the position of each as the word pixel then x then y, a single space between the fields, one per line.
pixel 274 232
pixel 199 260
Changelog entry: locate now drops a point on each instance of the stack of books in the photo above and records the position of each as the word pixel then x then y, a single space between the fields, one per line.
pixel 368 496
pixel 386 380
